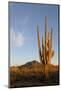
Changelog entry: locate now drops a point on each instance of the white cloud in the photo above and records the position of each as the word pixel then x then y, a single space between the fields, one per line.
pixel 16 39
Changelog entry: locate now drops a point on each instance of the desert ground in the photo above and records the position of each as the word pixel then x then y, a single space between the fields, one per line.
pixel 33 74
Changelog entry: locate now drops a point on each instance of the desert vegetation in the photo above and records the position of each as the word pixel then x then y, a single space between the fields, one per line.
pixel 34 74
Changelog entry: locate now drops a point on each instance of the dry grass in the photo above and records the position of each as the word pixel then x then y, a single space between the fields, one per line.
pixel 34 71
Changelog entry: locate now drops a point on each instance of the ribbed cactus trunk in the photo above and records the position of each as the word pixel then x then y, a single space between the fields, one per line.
pixel 39 46
pixel 46 57
pixel 43 51
pixel 49 48
pixel 46 31
pixel 51 38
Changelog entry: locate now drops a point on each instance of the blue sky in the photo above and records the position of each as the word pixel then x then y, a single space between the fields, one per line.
pixel 23 36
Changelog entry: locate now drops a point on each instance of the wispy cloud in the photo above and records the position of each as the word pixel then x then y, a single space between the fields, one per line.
pixel 16 39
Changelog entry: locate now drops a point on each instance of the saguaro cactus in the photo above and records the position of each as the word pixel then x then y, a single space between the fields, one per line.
pixel 47 52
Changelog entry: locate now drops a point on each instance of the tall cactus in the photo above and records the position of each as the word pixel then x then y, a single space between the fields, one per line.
pixel 46 31
pixel 47 52
pixel 39 46
pixel 43 52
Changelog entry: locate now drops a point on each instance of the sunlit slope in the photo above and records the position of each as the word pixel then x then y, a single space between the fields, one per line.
pixel 34 73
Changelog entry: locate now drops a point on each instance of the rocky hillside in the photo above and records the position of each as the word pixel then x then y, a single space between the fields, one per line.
pixel 33 73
